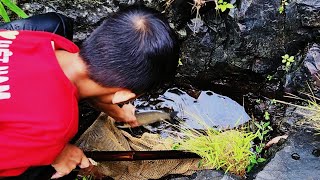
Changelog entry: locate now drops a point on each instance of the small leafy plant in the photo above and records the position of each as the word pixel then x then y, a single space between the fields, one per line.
pixel 223 6
pixel 266 115
pixel 263 129
pixel 11 6
pixel 283 4
pixel 287 61
pixel 273 101
pixel 179 62
pixel 269 77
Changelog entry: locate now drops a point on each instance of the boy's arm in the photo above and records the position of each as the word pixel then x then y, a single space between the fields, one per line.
pixel 70 157
pixel 124 114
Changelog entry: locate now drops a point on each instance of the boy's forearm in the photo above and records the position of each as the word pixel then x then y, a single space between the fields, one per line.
pixel 112 110
pixel 124 114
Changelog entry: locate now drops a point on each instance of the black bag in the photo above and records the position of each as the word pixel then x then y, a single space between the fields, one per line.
pixel 50 22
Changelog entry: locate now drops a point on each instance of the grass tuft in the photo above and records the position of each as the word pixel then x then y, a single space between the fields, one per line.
pixel 229 150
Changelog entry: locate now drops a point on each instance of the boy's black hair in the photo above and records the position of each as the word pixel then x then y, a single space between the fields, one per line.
pixel 134 49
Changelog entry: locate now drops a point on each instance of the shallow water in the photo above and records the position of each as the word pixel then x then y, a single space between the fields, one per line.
pixel 208 107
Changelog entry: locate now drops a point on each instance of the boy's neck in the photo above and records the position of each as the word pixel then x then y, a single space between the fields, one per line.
pixel 71 64
pixel 75 69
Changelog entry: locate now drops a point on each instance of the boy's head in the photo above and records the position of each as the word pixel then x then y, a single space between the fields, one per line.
pixel 133 49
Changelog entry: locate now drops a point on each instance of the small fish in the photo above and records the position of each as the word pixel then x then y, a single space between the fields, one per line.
pixel 149 117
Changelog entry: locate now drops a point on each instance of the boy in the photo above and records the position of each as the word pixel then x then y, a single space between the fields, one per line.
pixel 43 76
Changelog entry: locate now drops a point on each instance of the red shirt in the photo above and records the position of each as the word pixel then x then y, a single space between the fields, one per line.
pixel 38 103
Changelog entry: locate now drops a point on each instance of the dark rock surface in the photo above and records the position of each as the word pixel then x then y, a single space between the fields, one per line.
pixel 86 14
pixel 251 40
pixel 297 160
pixel 248 40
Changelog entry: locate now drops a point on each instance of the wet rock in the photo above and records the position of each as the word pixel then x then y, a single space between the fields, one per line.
pixel 312 63
pixel 310 12
pixel 298 115
pixel 284 167
pixel 253 36
pixel 292 118
pixel 312 59
pixel 307 69
pixel 86 14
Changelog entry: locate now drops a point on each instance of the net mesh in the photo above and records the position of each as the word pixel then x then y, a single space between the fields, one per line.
pixel 102 135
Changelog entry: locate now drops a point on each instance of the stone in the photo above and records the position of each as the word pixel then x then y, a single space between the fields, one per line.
pixel 303 165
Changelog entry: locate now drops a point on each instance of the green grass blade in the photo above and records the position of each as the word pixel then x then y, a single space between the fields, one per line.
pixel 3 13
pixel 14 8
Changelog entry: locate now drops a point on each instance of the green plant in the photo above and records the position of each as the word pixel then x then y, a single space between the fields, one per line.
pixel 287 61
pixel 179 62
pixel 229 150
pixel 226 150
pixel 223 6
pixel 263 129
pixel 282 6
pixel 273 101
pixel 269 77
pixel 255 159
pixel 11 6
pixel 266 115
pixel 235 150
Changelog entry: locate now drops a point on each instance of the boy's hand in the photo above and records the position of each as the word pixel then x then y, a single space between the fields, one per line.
pixel 124 114
pixel 70 157
pixel 129 115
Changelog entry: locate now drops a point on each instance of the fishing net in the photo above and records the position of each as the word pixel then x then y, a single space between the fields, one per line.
pixel 102 135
